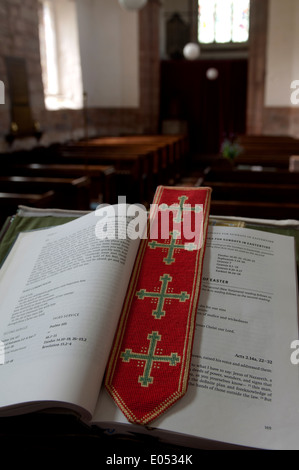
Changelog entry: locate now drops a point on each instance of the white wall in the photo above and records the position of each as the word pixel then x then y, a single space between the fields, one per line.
pixel 282 64
pixel 109 46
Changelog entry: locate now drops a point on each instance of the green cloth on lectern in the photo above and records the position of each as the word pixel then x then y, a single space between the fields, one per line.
pixel 19 224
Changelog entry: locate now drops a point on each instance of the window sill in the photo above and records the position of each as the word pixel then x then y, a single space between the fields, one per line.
pixel 55 104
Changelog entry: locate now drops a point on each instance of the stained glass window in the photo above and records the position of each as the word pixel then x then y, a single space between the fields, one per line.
pixel 223 21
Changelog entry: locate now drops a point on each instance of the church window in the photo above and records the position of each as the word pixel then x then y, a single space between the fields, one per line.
pixel 60 55
pixel 223 21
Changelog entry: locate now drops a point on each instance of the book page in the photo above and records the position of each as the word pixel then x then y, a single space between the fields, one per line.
pixel 62 291
pixel 243 388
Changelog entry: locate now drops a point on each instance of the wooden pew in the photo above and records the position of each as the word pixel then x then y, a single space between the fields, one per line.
pixel 174 148
pixel 255 209
pixel 266 160
pixel 266 138
pixel 254 192
pixel 69 193
pixel 141 163
pixel 134 170
pixel 267 150
pixel 262 194
pixel 161 156
pixel 278 176
pixel 102 177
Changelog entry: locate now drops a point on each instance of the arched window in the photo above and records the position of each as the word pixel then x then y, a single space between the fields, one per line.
pixel 223 21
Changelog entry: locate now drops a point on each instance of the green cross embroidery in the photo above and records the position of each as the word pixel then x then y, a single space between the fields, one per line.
pixel 171 246
pixel 162 296
pixel 149 358
pixel 181 208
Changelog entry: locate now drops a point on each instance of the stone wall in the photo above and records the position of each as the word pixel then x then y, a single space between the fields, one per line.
pixel 19 37
pixel 263 118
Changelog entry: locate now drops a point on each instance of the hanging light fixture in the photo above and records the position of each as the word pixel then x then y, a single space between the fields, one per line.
pixel 132 4
pixel 191 51
pixel 212 73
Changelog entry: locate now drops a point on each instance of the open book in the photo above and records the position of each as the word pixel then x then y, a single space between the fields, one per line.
pixel 61 296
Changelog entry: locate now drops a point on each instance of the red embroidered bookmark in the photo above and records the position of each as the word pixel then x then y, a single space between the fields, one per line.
pixel 148 368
